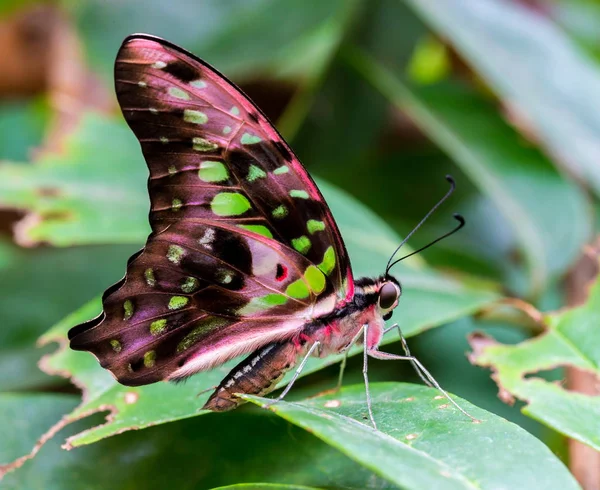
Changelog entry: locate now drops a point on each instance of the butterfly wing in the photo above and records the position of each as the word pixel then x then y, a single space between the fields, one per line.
pixel 243 251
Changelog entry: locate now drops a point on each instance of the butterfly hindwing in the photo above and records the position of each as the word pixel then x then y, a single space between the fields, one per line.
pixel 243 250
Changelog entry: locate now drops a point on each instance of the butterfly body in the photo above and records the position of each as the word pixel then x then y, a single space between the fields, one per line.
pixel 244 257
pixel 260 372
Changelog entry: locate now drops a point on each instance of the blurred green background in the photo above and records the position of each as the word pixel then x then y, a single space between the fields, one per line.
pixel 381 99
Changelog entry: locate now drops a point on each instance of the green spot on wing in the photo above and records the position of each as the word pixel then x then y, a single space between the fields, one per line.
pixel 299 194
pixel 116 345
pixel 260 229
pixel 213 172
pixel 297 289
pixel 279 212
pixel 313 226
pixel 201 144
pixel 172 169
pixel 178 93
pixel 158 326
pixel 250 139
pixel 198 84
pixel 254 173
pixel 328 263
pixel 262 303
pixel 224 276
pixel 315 279
pixel 176 204
pixel 302 244
pixel 201 329
pixel 150 279
pixel 281 170
pixel 235 111
pixel 194 117
pixel 150 358
pixel 227 130
pixel 127 309
pixel 177 302
pixel 190 285
pixel 175 253
pixel 229 204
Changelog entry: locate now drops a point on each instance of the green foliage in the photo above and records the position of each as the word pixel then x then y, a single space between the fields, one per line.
pixel 516 178
pixel 89 193
pixel 572 338
pixel 23 125
pixel 380 99
pixel 486 34
pixel 423 440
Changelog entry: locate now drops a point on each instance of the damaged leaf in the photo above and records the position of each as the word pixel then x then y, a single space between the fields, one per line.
pixel 572 339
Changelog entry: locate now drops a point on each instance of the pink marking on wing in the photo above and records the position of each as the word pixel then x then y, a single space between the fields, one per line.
pixel 228 347
pixel 350 277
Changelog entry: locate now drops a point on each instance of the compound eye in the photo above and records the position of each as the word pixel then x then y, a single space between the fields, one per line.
pixel 388 295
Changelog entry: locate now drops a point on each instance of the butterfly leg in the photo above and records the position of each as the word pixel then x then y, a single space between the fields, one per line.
pixel 295 376
pixel 212 388
pixel 338 387
pixel 385 356
pixel 365 330
pixel 408 354
pixel 345 359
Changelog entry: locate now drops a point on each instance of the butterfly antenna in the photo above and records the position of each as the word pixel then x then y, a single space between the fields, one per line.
pixel 439 203
pixel 461 223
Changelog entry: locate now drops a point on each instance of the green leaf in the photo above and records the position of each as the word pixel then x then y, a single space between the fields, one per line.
pixel 572 338
pixel 24 418
pixel 199 453
pixel 423 442
pixel 535 69
pixel 91 193
pixel 517 178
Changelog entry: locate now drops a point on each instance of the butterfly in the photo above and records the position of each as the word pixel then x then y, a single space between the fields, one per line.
pixel 244 256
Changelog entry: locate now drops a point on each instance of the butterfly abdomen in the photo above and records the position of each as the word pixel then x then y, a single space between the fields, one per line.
pixel 258 374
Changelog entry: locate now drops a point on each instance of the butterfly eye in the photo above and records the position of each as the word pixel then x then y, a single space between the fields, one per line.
pixel 388 295
pixel 387 316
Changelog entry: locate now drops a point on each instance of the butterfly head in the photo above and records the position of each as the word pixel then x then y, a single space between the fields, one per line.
pixel 388 297
pixel 383 292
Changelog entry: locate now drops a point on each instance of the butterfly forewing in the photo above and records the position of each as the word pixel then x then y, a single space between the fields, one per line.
pixel 243 250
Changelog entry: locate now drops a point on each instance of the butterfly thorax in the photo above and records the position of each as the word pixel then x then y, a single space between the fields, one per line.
pixel 339 329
